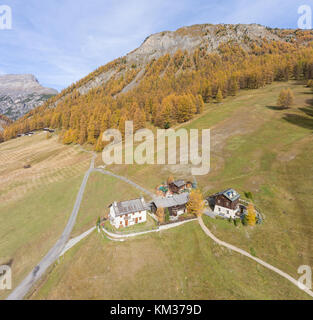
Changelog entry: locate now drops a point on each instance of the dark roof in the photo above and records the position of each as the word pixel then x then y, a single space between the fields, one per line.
pixel 129 206
pixel 179 183
pixel 176 200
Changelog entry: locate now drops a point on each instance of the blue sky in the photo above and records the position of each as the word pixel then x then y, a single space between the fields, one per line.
pixel 60 41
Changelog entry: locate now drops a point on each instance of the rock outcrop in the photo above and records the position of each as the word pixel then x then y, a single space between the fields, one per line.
pixel 205 36
pixel 21 93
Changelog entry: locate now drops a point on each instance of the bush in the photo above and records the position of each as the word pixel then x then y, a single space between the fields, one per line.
pixel 167 215
pixel 248 195
pixel 244 221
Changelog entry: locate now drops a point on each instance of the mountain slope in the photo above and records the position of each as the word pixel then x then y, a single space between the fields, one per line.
pixel 255 147
pixel 20 93
pixel 4 121
pixel 206 36
pixel 167 79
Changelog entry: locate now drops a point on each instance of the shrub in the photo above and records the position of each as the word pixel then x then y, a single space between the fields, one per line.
pixel 167 215
pixel 248 195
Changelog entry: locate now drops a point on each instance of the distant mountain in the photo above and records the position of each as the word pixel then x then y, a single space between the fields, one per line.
pixel 207 38
pixel 19 93
pixel 170 76
pixel 4 121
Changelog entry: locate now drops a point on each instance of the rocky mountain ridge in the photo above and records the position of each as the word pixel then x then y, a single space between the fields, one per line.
pixel 207 37
pixel 19 93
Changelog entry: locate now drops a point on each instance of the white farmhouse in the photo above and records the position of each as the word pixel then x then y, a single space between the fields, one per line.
pixel 127 213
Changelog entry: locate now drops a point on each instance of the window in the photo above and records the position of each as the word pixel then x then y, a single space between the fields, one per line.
pixel 219 209
pixel 227 211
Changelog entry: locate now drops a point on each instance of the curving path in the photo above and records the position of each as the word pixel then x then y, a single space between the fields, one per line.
pixel 245 253
pixel 21 290
pixel 109 173
pixel 62 245
pixel 71 243
pixel 135 234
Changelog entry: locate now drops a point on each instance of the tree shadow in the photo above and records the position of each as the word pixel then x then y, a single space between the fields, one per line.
pixel 9 263
pixel 299 120
pixel 309 101
pixel 305 120
pixel 308 110
pixel 277 108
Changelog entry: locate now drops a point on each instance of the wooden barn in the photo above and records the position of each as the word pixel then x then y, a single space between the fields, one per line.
pixel 177 186
pixel 176 204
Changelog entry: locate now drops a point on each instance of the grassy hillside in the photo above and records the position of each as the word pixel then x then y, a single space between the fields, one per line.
pixel 181 263
pixel 256 147
pixel 35 203
pixel 100 192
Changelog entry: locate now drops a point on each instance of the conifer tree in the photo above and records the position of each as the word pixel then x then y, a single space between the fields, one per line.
pixel 83 131
pixel 251 216
pixel 160 214
pixel 100 144
pixel 286 98
pixel 219 96
pixel 195 204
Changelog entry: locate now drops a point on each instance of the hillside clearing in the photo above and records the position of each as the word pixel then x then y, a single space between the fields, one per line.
pixel 181 263
pixel 100 192
pixel 257 147
pixel 271 157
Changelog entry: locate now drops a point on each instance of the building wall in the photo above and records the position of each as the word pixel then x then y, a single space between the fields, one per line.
pixel 228 213
pixel 177 211
pixel 120 221
pixel 222 201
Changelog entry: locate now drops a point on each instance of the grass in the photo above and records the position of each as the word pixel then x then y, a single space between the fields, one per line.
pixel 274 163
pixel 181 263
pixel 100 192
pixel 267 151
pixel 255 148
pixel 35 203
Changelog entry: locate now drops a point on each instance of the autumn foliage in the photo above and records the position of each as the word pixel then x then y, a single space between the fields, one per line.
pixel 195 204
pixel 160 214
pixel 172 89
pixel 251 215
pixel 286 98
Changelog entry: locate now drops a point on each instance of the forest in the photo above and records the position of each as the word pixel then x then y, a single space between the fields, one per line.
pixel 171 90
